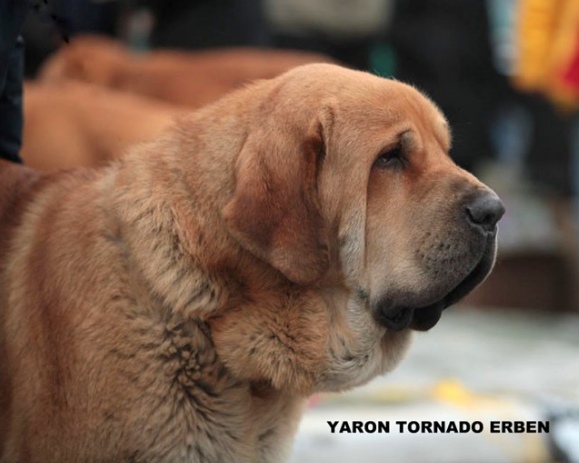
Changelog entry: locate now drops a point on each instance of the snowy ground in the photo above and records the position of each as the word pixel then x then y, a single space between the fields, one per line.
pixel 474 366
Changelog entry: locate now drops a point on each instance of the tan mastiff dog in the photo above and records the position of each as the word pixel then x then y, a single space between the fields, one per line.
pixel 73 124
pixel 182 304
pixel 186 78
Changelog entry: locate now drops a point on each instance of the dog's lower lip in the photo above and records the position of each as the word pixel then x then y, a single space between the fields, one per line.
pixel 426 317
pixel 398 320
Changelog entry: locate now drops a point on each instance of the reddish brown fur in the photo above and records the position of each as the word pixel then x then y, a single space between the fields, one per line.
pixel 73 124
pixel 184 78
pixel 143 319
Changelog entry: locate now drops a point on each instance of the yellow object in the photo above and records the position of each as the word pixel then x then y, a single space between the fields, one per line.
pixel 547 41
pixel 454 393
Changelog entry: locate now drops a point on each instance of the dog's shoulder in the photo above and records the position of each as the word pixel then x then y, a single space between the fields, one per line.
pixel 21 187
pixel 17 186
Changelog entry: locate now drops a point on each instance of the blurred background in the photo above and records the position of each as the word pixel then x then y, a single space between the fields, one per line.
pixel 505 73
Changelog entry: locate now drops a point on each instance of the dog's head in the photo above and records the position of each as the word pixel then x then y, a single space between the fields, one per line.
pixel 345 185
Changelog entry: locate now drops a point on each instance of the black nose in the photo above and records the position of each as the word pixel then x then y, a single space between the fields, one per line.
pixel 485 211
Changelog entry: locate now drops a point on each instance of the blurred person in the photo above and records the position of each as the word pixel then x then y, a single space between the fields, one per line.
pixel 443 47
pixel 12 15
pixel 43 34
pixel 145 24
pixel 196 24
pixel 546 73
pixel 547 40
pixel 347 31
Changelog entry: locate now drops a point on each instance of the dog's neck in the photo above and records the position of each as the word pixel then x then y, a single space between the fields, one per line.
pixel 177 237
pixel 163 242
pixel 193 267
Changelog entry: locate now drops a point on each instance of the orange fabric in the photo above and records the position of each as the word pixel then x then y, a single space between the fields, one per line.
pixel 547 40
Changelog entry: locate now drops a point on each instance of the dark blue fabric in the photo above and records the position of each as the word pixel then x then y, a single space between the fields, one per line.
pixel 12 14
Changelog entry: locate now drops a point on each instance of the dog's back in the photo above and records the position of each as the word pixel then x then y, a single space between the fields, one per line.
pixel 16 187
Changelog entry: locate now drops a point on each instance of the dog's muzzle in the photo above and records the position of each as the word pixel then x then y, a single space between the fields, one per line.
pixel 482 213
pixel 423 318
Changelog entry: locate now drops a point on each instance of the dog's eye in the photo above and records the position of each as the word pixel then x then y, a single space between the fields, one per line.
pixel 391 158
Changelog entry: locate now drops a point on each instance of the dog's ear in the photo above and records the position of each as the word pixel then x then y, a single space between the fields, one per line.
pixel 275 212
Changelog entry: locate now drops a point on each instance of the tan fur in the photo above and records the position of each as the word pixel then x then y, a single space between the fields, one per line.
pixel 181 77
pixel 74 124
pixel 182 304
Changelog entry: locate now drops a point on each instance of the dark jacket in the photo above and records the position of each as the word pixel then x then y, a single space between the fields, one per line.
pixel 12 14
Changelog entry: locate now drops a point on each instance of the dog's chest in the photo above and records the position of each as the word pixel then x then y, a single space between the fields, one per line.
pixel 191 410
